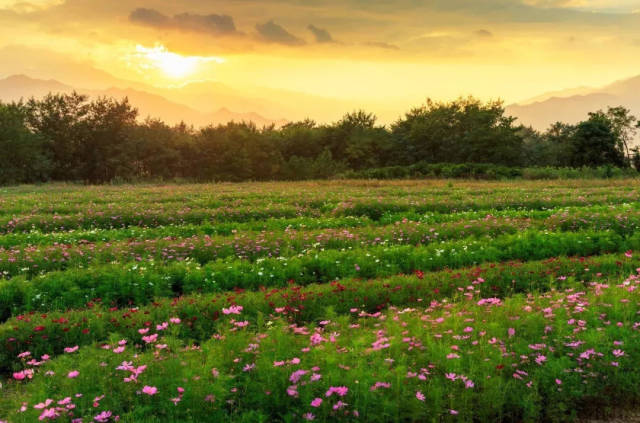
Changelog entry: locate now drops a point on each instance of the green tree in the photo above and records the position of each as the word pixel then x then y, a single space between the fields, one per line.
pixel 105 151
pixel 58 118
pixel 595 143
pixel 23 154
pixel 462 131
pixel 624 127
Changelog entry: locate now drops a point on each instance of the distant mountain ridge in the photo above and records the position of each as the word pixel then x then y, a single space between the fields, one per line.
pixel 16 87
pixel 209 102
pixel 573 105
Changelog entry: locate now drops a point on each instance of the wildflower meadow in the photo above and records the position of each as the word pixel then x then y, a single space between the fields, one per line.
pixel 358 301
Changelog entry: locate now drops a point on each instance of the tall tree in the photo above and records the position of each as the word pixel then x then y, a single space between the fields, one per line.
pixel 23 154
pixel 595 143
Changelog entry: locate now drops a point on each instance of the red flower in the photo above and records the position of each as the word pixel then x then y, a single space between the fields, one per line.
pixel 38 329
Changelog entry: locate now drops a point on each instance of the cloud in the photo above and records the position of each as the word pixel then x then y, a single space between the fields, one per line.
pixel 322 35
pixel 378 44
pixel 483 33
pixel 210 24
pixel 273 33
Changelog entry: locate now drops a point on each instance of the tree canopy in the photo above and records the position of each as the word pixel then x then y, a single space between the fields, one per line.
pixel 70 137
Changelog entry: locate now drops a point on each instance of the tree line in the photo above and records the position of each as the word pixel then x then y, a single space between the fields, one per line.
pixel 70 137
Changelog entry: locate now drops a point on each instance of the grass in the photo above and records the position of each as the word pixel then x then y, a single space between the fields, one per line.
pixel 353 300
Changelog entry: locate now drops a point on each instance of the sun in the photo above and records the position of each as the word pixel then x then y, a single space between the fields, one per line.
pixel 173 65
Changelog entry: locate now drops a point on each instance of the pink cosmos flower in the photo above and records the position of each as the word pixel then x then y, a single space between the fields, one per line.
pixel 234 309
pixel 338 405
pixel 341 391
pixel 541 359
pixel 420 396
pixel 629 254
pixel 103 417
pixel 151 338
pixel 70 350
pixel 49 413
pixel 65 401
pixel 73 374
pixel 295 376
pixel 308 416
pixel 150 390
pixel 317 402
pixel 292 391
pixel 43 405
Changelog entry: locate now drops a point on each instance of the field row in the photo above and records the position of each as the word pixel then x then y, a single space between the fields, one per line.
pixel 26 213
pixel 528 357
pixel 38 259
pixel 49 333
pixel 358 301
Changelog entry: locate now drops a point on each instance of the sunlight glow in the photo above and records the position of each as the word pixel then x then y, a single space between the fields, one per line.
pixel 171 64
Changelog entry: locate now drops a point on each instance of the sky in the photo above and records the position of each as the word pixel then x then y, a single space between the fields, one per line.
pixel 391 53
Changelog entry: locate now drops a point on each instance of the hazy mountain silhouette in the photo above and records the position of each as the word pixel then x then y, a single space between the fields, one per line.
pixel 18 87
pixel 573 105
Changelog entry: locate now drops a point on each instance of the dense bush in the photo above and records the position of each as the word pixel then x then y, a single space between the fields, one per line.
pixel 488 172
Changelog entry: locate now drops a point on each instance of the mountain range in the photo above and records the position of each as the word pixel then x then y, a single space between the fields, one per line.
pixel 573 105
pixel 203 103
pixel 151 104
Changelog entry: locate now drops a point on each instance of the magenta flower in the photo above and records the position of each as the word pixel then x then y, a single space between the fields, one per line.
pixel 150 390
pixel 317 402
pixel 338 405
pixel 103 417
pixel 232 310
pixel 73 374
pixel 420 396
pixel 341 391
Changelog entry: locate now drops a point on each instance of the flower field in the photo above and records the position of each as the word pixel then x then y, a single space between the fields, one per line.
pixel 402 301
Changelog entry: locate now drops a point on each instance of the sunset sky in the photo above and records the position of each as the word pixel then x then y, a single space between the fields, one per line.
pixel 391 52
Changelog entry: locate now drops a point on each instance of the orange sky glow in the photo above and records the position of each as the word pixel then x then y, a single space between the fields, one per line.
pixel 383 55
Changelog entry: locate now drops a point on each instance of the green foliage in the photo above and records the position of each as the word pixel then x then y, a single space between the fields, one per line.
pixel 68 137
pixel 462 131
pixel 23 154
pixel 372 301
